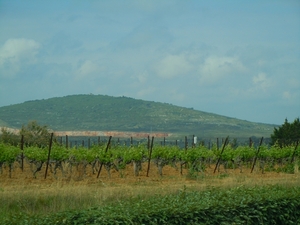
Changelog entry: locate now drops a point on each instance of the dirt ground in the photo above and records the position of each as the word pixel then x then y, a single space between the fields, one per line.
pixel 171 177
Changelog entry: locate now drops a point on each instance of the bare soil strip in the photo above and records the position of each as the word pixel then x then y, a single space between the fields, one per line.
pixel 125 179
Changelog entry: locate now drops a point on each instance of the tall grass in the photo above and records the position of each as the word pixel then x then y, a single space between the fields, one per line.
pixel 60 196
pixel 23 195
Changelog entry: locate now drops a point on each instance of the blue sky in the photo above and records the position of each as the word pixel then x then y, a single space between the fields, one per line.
pixel 235 58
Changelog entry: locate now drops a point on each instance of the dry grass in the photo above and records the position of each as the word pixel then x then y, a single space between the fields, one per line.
pixel 22 193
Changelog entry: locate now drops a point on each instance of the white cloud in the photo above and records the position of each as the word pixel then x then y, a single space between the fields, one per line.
pixel 143 77
pixel 172 66
pixel 86 69
pixel 215 68
pixel 252 87
pixel 286 95
pixel 290 97
pixel 16 49
pixel 261 81
pixel 137 81
pixel 16 53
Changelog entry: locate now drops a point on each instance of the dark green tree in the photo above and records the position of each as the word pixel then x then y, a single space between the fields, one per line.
pixel 35 134
pixel 9 137
pixel 287 133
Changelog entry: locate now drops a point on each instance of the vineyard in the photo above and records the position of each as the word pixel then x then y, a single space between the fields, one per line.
pixel 59 160
pixel 149 183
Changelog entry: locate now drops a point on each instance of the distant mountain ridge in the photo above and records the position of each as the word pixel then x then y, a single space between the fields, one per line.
pixel 124 114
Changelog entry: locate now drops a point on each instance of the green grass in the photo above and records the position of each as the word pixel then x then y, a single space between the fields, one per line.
pixel 275 204
pixel 145 199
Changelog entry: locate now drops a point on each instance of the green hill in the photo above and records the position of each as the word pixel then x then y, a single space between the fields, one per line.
pixel 106 113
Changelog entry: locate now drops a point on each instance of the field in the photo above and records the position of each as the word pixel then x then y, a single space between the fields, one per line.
pixel 39 196
pixel 179 182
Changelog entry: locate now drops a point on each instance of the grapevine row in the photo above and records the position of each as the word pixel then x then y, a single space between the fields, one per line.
pixel 196 158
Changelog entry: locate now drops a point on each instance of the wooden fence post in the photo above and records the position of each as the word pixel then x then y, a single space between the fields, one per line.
pixel 22 154
pixel 193 142
pixel 148 144
pixel 255 158
pixel 225 143
pixel 50 145
pixel 67 142
pixel 150 153
pixel 293 156
pixel 108 143
pixel 185 143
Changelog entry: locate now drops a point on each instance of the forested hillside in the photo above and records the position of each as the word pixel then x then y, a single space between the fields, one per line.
pixel 106 113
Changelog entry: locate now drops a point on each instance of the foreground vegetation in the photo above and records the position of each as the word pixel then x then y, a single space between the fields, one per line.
pixel 276 204
pixel 242 203
pixel 212 204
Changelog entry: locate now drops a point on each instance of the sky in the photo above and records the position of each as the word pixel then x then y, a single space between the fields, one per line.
pixel 239 59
